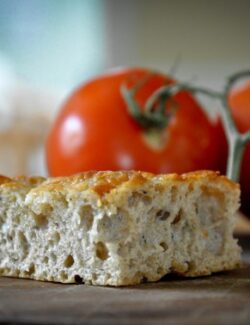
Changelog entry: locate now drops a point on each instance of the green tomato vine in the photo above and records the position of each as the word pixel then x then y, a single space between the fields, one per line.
pixel 155 115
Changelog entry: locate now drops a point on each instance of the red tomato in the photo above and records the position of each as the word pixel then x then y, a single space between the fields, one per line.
pixel 239 101
pixel 94 131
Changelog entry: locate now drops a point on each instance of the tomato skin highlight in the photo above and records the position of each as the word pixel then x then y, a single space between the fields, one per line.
pixel 94 131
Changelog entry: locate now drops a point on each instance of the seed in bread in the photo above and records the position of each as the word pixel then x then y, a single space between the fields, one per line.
pixel 117 228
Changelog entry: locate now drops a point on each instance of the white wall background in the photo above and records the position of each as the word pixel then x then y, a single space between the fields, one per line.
pixel 211 39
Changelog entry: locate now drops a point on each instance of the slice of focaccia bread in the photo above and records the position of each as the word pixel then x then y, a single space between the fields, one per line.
pixel 117 228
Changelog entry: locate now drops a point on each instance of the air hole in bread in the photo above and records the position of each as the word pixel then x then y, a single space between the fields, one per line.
pixel 86 216
pixel 162 215
pixel 151 260
pixel 178 217
pixel 53 257
pixel 164 245
pixel 160 270
pixel 55 237
pixel 101 251
pixel 136 197
pixel 22 238
pixel 46 208
pixel 45 259
pixel 69 261
pixel 78 279
pixel 146 198
pixel 31 269
pixel 63 275
pixel 44 275
pixel 41 220
pixel 132 263
pixel 144 279
pixel 190 266
pixel 9 237
pixel 17 219
pixel 104 223
pixel 24 245
pixel 141 277
pixel 108 276
pixel 159 188
pixel 174 192
pixel 33 235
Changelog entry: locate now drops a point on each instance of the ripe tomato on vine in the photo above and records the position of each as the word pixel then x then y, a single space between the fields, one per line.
pixel 239 101
pixel 102 128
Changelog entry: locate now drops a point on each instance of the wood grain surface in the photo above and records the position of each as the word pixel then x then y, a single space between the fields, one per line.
pixel 219 299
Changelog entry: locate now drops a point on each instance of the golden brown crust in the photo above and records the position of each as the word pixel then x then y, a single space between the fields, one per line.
pixel 30 181
pixel 4 180
pixel 20 182
pixel 102 182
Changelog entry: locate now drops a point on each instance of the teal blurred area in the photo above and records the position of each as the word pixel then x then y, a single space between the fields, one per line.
pixel 52 43
pixel 47 47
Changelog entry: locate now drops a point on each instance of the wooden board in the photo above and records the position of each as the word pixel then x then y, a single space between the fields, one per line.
pixel 218 299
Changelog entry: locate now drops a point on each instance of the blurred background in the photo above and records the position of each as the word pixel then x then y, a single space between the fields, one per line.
pixel 48 47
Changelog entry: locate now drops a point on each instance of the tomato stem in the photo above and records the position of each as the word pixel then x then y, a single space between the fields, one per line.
pixel 147 120
pixel 236 141
pixel 156 116
pixel 235 155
